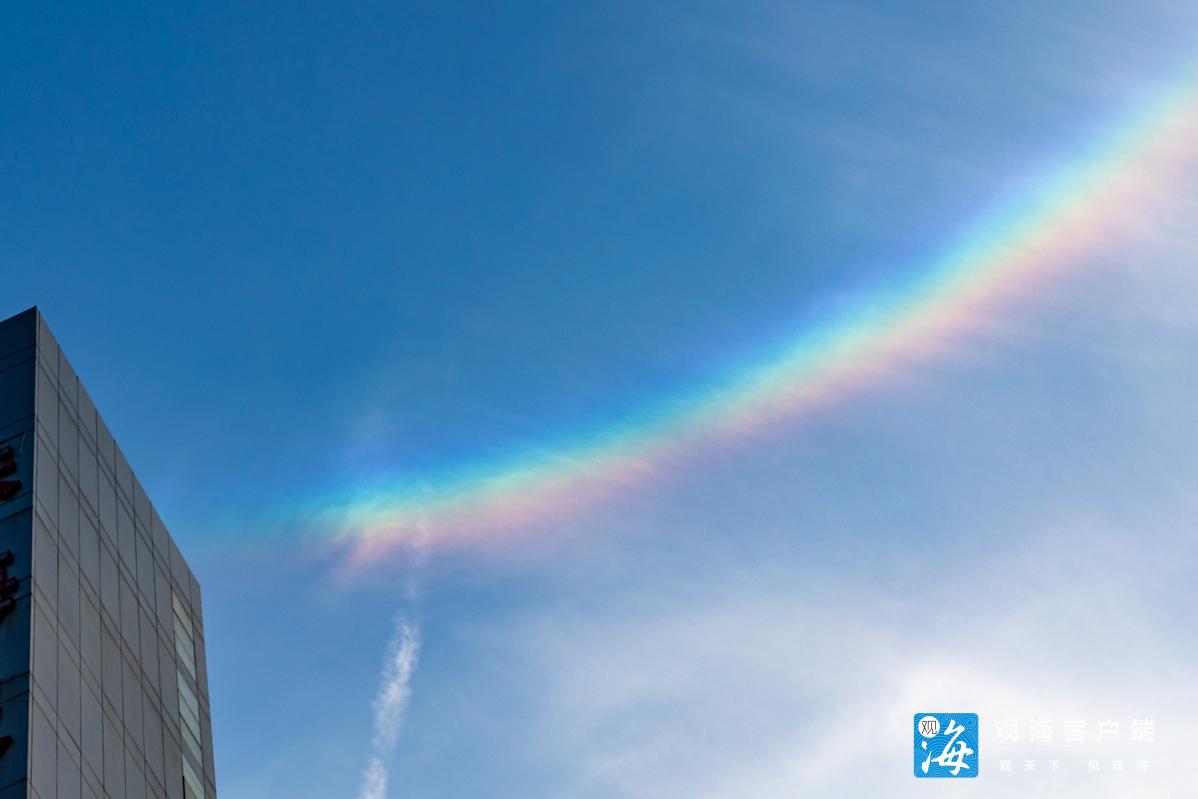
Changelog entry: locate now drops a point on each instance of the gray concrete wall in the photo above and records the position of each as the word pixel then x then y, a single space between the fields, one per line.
pixel 117 647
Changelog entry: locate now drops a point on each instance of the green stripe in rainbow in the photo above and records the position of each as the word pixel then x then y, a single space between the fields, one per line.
pixel 1070 214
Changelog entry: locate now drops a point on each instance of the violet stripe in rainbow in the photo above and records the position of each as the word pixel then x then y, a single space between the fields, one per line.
pixel 1067 216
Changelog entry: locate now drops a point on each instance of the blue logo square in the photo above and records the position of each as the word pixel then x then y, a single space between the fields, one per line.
pixel 946 745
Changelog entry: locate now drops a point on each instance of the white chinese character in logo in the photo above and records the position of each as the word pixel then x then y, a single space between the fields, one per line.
pixel 1108 727
pixel 1029 765
pixel 1141 765
pixel 1092 765
pixel 1006 730
pixel 954 753
pixel 1041 731
pixel 1056 764
pixel 1004 765
pixel 1143 730
pixel 1075 731
pixel 1116 765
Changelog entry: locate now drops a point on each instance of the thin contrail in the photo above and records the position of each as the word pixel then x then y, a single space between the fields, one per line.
pixel 390 704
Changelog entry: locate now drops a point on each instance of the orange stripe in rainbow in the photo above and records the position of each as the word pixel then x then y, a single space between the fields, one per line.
pixel 1070 214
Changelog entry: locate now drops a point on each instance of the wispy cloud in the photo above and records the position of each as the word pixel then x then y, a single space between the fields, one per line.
pixel 775 691
pixel 390 704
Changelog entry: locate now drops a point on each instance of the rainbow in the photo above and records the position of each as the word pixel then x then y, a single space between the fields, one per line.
pixel 1073 210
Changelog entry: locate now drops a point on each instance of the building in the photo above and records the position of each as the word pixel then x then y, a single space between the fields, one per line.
pixel 103 685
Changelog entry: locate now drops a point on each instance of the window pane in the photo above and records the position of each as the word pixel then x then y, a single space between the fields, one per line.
pixel 185 651
pixel 192 744
pixel 187 699
pixel 182 615
pixel 191 783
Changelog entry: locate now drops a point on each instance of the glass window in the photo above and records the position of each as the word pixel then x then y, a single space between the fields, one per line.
pixel 184 636
pixel 192 789
pixel 189 708
pixel 185 650
pixel 191 744
pixel 181 615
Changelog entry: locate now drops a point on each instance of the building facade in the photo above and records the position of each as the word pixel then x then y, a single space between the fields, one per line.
pixel 103 684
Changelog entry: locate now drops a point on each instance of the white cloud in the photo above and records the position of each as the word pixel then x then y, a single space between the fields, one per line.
pixel 374 781
pixel 390 704
pixel 775 689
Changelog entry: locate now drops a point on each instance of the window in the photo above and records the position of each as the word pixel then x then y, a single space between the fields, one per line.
pixel 185 646
pixel 189 706
pixel 192 788
pixel 189 712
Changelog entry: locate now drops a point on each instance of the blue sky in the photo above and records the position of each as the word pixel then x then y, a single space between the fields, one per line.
pixel 288 247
